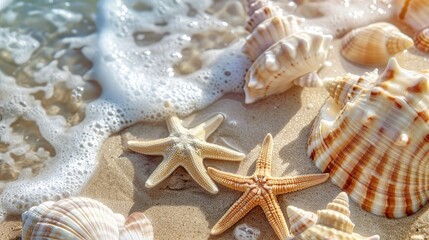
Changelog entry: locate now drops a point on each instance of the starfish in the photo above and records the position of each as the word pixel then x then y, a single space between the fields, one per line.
pixel 187 148
pixel 261 189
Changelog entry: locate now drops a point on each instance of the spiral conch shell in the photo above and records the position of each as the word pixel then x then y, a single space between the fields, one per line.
pixel 82 218
pixel 334 222
pixel 372 136
pixel 300 220
pixel 374 44
pixel 421 40
pixel 283 54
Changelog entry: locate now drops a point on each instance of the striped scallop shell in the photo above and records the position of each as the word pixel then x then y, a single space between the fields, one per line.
pixel 372 136
pixel 421 40
pixel 275 70
pixel 82 218
pixel 413 12
pixel 300 220
pixel 269 32
pixel 334 222
pixel 374 44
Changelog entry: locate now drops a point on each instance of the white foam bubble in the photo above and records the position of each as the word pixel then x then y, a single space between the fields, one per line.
pixel 19 46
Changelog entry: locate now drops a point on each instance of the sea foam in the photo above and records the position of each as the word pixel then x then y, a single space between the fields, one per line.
pixel 137 82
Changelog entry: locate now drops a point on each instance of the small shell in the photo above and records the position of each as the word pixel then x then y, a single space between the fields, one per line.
pixel 421 40
pixel 334 222
pixel 372 137
pixel 254 5
pixel 275 70
pixel 374 44
pixel 269 32
pixel 82 218
pixel 300 220
pixel 413 12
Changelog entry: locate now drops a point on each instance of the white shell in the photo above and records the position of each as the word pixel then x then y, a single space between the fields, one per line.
pixel 300 220
pixel 374 44
pixel 82 218
pixel 259 16
pixel 334 222
pixel 421 40
pixel 292 57
pixel 372 136
pixel 269 32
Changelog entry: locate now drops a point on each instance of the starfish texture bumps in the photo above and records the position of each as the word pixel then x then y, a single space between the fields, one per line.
pixel 261 189
pixel 187 148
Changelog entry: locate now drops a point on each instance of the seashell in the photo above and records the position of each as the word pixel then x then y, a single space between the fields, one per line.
pixel 334 222
pixel 269 32
pixel 254 5
pixel 259 16
pixel 374 44
pixel 82 218
pixel 372 136
pixel 31 217
pixel 275 70
pixel 300 220
pixel 413 12
pixel 421 40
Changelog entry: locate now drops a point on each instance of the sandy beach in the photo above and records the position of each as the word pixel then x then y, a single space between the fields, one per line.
pixel 180 209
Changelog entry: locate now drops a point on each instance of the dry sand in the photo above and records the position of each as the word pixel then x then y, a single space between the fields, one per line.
pixel 180 209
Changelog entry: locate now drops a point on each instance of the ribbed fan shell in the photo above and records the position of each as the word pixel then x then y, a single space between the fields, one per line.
pixel 374 143
pixel 84 219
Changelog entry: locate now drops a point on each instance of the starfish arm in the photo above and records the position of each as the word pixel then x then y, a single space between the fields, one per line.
pixel 230 180
pixel 164 169
pixel 154 147
pixel 274 215
pixel 263 164
pixel 205 129
pixel 240 208
pixel 291 184
pixel 213 151
pixel 174 125
pixel 196 169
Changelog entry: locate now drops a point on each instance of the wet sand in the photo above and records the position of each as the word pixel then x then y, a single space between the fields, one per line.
pixel 180 209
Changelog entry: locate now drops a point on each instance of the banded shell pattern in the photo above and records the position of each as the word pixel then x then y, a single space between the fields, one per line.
pixel 413 12
pixel 421 40
pixel 283 54
pixel 372 136
pixel 334 222
pixel 374 44
pixel 83 218
pixel 300 220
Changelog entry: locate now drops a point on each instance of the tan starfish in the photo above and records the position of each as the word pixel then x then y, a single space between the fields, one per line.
pixel 261 189
pixel 187 148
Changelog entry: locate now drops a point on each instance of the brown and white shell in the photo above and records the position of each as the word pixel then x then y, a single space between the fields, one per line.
pixel 413 12
pixel 300 220
pixel 372 137
pixel 374 44
pixel 421 40
pixel 83 218
pixel 279 66
pixel 334 222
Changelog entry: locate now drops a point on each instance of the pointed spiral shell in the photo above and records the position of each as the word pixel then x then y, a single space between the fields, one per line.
pixel 82 218
pixel 372 136
pixel 334 223
pixel 374 44
pixel 300 220
pixel 421 40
